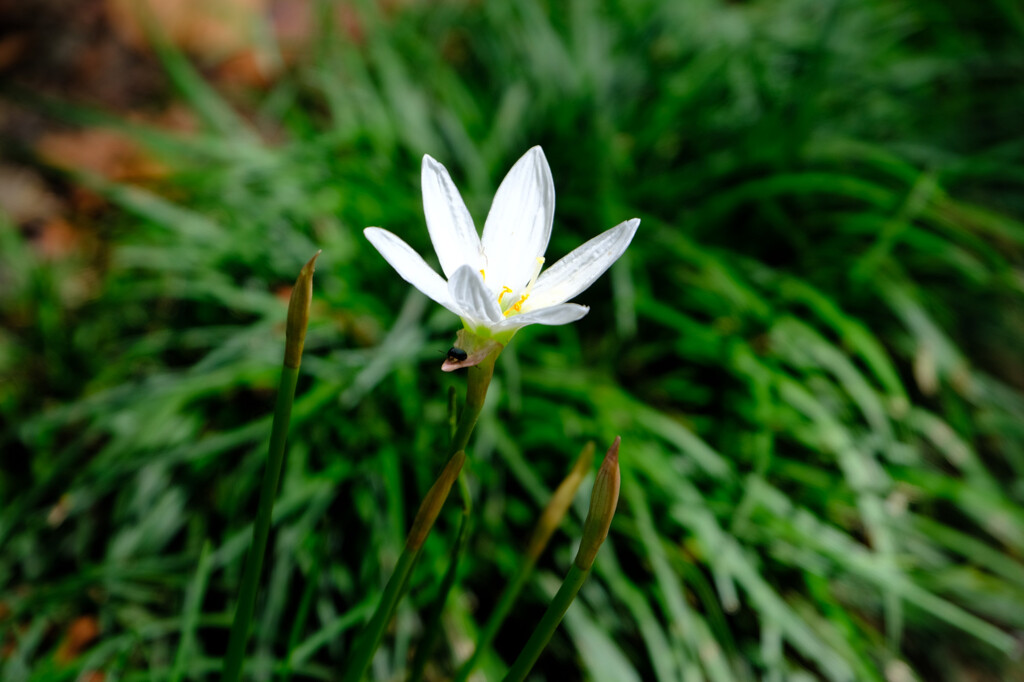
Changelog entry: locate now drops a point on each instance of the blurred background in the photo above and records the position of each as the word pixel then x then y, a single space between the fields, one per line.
pixel 812 350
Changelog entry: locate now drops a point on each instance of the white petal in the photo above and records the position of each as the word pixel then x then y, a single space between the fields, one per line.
pixel 451 228
pixel 559 314
pixel 518 225
pixel 474 300
pixel 410 266
pixel 581 268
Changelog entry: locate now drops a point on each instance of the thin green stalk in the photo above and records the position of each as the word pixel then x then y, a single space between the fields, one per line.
pixel 603 501
pixel 369 639
pixel 549 521
pixel 548 624
pixel 261 529
pixel 497 617
pixel 311 579
pixel 363 649
pixel 432 619
pixel 295 331
pixel 476 392
pixel 190 616
pixel 453 412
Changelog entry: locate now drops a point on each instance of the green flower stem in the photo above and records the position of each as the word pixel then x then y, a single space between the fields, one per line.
pixel 498 615
pixel 369 639
pixel 550 520
pixel 312 580
pixel 548 624
pixel 433 616
pixel 432 619
pixel 295 333
pixel 479 380
pixel 476 392
pixel 261 529
pixel 461 429
pixel 603 500
pixel 453 412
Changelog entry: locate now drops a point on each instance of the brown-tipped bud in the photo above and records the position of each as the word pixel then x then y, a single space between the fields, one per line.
pixel 551 517
pixel 602 508
pixel 298 314
pixel 433 502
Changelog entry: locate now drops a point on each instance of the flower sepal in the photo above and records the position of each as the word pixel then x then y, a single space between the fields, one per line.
pixel 477 348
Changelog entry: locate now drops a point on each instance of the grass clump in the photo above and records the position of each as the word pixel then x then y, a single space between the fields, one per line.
pixel 808 350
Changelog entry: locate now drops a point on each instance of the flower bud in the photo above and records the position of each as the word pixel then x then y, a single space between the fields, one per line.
pixel 603 501
pixel 298 314
pixel 553 514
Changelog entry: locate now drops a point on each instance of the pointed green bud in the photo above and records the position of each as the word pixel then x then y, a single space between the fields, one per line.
pixel 553 514
pixel 298 314
pixel 433 502
pixel 602 508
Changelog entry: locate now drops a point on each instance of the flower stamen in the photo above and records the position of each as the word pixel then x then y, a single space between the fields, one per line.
pixel 533 280
pixel 504 290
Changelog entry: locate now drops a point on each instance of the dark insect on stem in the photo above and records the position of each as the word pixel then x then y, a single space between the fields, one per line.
pixel 456 354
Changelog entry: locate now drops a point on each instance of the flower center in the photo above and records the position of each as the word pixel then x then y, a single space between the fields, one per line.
pixel 517 307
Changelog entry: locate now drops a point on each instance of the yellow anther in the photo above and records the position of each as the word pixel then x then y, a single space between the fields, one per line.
pixel 483 274
pixel 504 290
pixel 518 305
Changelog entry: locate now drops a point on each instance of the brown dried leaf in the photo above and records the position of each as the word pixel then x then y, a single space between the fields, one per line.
pixel 209 30
pixel 81 632
pixel 104 152
pixel 24 197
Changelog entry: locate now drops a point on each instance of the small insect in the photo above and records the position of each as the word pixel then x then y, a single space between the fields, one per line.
pixel 456 355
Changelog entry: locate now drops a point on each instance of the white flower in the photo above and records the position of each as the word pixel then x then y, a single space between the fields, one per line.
pixel 495 284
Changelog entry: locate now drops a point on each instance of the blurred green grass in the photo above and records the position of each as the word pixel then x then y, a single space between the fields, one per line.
pixel 810 351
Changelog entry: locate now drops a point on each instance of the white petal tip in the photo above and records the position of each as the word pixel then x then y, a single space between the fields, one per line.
pixel 432 168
